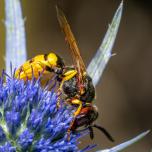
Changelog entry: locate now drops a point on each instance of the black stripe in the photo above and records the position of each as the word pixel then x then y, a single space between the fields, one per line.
pixel 31 60
pixel 60 62
pixel 45 57
pixel 47 68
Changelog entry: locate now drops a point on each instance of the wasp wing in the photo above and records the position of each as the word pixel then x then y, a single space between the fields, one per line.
pixel 101 58
pixel 77 59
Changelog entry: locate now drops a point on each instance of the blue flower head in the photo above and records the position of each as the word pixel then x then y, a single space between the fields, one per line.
pixel 30 119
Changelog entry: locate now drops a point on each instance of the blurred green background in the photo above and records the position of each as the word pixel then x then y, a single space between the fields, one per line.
pixel 124 96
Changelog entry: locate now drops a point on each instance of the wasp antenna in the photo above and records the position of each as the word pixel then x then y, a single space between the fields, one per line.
pixel 91 132
pixel 107 134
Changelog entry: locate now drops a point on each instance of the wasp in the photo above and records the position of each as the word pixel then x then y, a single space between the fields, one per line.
pixel 79 88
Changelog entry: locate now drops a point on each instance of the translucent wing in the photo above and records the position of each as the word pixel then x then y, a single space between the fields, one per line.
pixel 101 58
pixel 77 59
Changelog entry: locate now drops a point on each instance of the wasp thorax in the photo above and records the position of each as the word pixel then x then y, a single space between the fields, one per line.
pixel 70 87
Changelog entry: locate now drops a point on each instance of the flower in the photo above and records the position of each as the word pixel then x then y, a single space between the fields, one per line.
pixel 30 119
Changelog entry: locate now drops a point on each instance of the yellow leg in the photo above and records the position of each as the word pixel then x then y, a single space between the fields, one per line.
pixel 79 103
pixel 67 76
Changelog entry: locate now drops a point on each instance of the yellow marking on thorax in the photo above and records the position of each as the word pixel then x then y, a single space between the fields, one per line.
pixel 67 76
pixel 70 74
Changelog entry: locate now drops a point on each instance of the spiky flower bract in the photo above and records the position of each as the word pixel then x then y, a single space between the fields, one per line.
pixel 30 120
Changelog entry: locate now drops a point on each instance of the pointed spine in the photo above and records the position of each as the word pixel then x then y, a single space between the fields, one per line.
pixel 15 34
pixel 126 144
pixel 103 54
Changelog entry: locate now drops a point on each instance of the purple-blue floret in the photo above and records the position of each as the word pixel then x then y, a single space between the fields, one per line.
pixel 7 147
pixel 30 120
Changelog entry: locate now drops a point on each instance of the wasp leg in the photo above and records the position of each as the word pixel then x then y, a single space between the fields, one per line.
pixel 76 113
pixel 69 130
pixel 58 104
pixel 69 74
pixel 79 103
pixel 107 134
